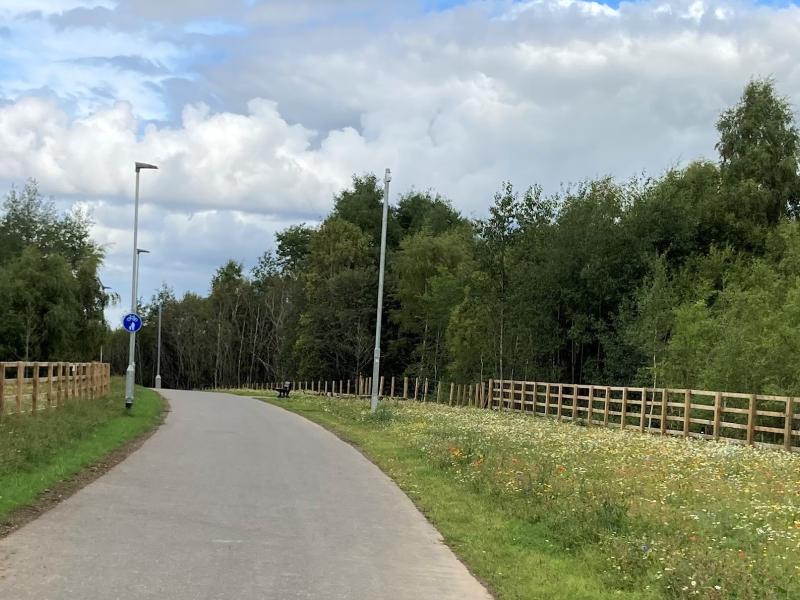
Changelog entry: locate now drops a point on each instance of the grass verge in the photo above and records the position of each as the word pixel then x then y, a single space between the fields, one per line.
pixel 540 509
pixel 42 456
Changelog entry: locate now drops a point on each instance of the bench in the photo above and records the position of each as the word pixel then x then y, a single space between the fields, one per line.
pixel 283 391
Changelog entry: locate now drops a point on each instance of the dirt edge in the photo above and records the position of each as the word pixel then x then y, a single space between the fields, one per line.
pixel 65 488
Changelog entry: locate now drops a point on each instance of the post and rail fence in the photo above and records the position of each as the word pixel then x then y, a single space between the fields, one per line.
pixel 31 387
pixel 748 419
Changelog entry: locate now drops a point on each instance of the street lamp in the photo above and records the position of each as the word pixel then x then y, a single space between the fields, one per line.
pixel 158 353
pixel 139 252
pixel 129 374
pixel 376 357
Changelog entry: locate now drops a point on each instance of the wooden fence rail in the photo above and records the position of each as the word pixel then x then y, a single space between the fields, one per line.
pixel 748 419
pixel 30 387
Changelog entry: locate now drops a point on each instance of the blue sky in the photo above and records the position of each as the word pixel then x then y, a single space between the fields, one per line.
pixel 259 111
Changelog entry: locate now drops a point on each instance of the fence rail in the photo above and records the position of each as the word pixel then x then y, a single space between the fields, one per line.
pixel 30 387
pixel 748 419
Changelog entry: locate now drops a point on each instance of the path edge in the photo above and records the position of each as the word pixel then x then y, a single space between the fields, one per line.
pixel 66 488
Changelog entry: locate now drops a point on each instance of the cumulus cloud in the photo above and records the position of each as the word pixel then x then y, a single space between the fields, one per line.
pixel 258 115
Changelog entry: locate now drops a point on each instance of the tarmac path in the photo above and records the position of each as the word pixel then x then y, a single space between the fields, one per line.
pixel 234 499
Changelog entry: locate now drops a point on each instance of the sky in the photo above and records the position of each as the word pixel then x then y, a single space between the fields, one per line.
pixel 258 111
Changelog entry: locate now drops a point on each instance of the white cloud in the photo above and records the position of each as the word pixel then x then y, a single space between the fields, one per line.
pixel 459 100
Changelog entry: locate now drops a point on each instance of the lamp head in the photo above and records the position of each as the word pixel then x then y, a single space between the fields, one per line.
pixel 141 165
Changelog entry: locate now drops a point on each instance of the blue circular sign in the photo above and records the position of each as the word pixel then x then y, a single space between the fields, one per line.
pixel 132 322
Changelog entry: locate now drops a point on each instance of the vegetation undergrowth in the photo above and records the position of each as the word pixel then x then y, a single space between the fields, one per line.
pixel 38 451
pixel 540 509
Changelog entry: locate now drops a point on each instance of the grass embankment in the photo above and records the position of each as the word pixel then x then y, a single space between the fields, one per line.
pixel 540 509
pixel 39 451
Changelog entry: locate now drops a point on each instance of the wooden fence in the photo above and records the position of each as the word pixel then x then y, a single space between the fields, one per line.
pixel 29 387
pixel 748 419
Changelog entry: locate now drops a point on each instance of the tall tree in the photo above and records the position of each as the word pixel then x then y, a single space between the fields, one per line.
pixel 759 149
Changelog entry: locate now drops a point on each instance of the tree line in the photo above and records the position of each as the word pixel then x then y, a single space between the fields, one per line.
pixel 51 298
pixel 688 279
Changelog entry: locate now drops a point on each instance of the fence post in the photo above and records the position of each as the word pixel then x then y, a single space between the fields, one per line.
pixel 664 402
pixel 606 406
pixel 416 387
pixel 405 388
pixel 751 420
pixel 59 387
pixel 623 421
pixel 560 399
pixel 575 394
pixel 787 425
pixel 35 392
pixel 452 391
pixel 717 414
pixel 438 392
pixel 391 388
pixel 425 391
pixel 547 400
pixel 687 409
pixel 643 408
pixel 20 381
pixel 380 389
pixel 49 385
pixel 590 407
pixel 490 398
pixel 2 389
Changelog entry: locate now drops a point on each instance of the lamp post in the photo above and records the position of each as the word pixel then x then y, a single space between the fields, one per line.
pixel 131 371
pixel 376 357
pixel 139 252
pixel 158 352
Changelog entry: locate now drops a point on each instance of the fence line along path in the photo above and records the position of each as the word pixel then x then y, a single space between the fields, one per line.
pixel 748 419
pixel 29 387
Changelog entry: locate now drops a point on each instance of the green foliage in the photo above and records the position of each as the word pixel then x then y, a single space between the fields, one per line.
pixel 52 298
pixel 758 147
pixel 335 332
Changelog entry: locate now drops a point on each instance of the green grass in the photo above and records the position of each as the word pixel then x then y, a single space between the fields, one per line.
pixel 540 509
pixel 38 451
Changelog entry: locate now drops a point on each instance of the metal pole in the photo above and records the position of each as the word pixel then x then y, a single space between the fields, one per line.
pixel 376 362
pixel 158 353
pixel 130 372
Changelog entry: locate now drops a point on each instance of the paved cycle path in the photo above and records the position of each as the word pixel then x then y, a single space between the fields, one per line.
pixel 234 499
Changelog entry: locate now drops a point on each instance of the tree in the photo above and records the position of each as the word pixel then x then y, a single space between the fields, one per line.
pixel 430 275
pixel 336 329
pixel 759 148
pixel 50 289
